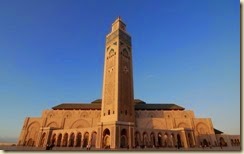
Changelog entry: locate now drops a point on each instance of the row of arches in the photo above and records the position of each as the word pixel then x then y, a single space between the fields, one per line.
pixel 106 139
pixel 70 139
pixel 235 142
pixel 145 139
pixel 162 140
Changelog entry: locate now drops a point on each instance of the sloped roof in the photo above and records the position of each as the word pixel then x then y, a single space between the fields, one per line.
pixel 77 106
pixel 158 107
pixel 216 131
pixel 96 105
pixel 138 101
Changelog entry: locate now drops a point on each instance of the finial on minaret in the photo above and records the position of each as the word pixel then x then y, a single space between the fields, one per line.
pixel 118 24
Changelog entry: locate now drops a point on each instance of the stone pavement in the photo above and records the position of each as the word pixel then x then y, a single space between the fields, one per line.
pixel 21 148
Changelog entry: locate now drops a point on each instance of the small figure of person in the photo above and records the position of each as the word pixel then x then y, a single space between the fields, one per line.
pixel 88 147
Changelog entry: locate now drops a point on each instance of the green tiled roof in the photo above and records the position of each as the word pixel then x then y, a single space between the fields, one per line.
pixel 77 106
pixel 216 131
pixel 96 105
pixel 158 107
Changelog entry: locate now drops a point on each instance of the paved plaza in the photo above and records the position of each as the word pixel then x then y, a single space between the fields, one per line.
pixel 22 148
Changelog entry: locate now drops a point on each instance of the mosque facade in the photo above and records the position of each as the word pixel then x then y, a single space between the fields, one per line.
pixel 118 120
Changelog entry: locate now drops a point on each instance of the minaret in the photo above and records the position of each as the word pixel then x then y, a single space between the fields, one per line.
pixel 117 112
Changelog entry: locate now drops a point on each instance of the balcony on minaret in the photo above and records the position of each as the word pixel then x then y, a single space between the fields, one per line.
pixel 118 24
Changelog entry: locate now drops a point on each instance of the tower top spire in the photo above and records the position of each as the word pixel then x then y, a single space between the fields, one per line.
pixel 118 24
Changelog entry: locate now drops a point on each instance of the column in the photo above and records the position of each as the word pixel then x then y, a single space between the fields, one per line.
pixel 183 137
pixel 193 139
pixel 75 136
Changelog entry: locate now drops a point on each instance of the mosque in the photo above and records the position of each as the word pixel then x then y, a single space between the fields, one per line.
pixel 118 120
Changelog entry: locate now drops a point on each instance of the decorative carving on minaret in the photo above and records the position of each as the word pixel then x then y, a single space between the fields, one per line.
pixel 118 101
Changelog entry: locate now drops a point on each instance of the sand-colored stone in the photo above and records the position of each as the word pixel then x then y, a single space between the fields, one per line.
pixel 117 124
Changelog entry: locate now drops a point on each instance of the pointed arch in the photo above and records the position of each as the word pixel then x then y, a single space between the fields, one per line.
pixel 78 139
pixel 85 139
pixel 202 128
pixel 123 138
pixel 43 139
pixel 93 139
pixel 81 123
pixel 137 139
pixel 52 124
pixel 59 140
pixel 65 140
pixel 106 138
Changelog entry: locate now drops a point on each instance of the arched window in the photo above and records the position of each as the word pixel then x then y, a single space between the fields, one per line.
pixel 111 52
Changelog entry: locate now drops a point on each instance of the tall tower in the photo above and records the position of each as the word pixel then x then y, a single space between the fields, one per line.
pixel 117 112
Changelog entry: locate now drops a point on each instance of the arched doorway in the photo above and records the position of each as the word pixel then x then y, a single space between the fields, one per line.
pixel 205 143
pixel 59 140
pixel 123 138
pixel 65 140
pixel 137 139
pixel 159 140
pixel 30 142
pixel 71 140
pixel 78 140
pixel 106 138
pixel 190 140
pixel 145 139
pixel 43 138
pixel 173 142
pixel 166 140
pixel 93 139
pixel 86 139
pixel 179 140
pixel 53 140
pixel 222 141
pixel 152 139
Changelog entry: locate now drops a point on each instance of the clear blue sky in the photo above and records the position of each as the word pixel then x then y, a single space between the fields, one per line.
pixel 185 52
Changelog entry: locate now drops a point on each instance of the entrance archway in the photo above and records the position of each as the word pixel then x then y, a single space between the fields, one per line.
pixel 179 140
pixel 152 139
pixel 59 140
pixel 106 138
pixel 123 138
pixel 93 139
pixel 43 140
pixel 173 142
pixel 65 140
pixel 190 140
pixel 222 141
pixel 86 139
pixel 30 142
pixel 159 140
pixel 145 139
pixel 137 139
pixel 166 140
pixel 53 140
pixel 78 140
pixel 71 140
pixel 205 143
